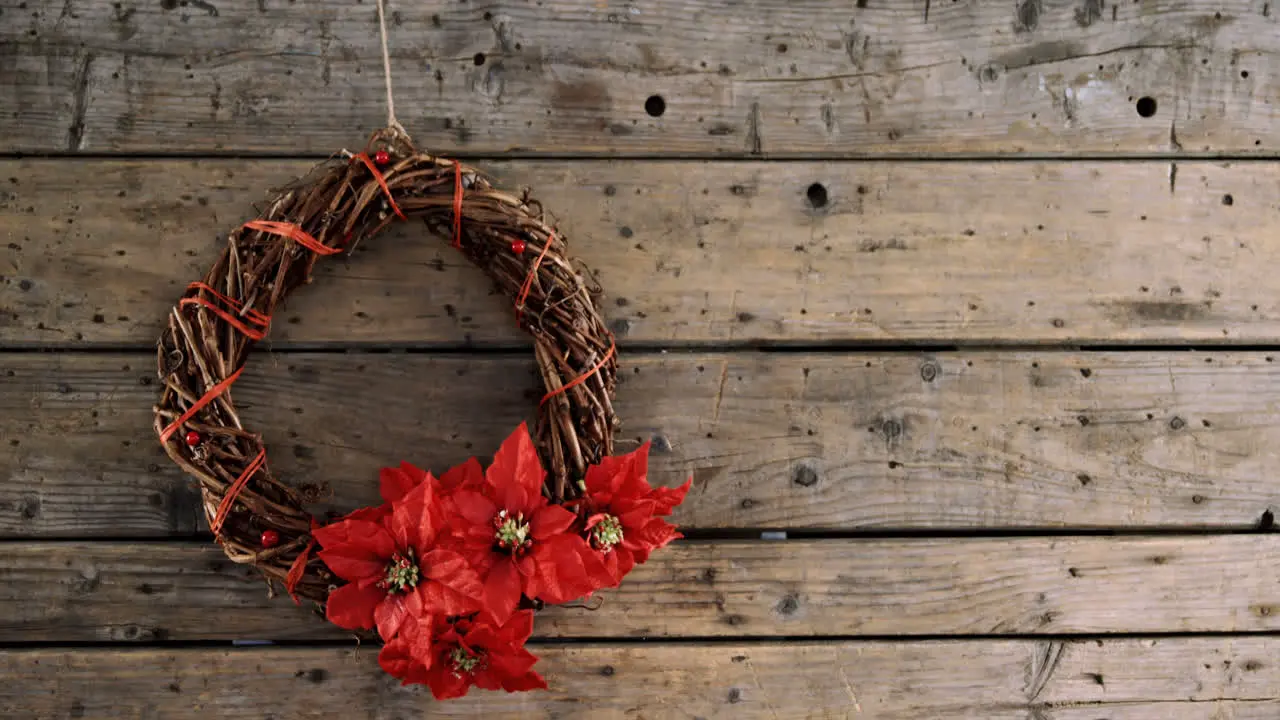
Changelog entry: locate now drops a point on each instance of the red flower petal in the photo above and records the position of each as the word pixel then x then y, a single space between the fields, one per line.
pixel 395 483
pixel 561 574
pixel 374 514
pixel 454 588
pixel 351 606
pixel 467 475
pixel 518 629
pixel 516 464
pixel 502 591
pixel 623 561
pixel 354 549
pixel 408 657
pixel 445 684
pixel 604 568
pixel 413 522
pixel 512 497
pixel 666 499
pixel 550 520
pixel 512 664
pixel 611 472
pixel 528 681
pixel 474 508
pixel 392 612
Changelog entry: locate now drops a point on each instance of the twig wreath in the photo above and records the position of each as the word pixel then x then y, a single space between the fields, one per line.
pixel 448 569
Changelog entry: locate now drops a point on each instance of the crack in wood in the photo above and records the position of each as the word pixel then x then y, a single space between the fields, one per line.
pixel 1043 663
pixel 755 144
pixel 847 76
pixel 1063 57
pixel 79 103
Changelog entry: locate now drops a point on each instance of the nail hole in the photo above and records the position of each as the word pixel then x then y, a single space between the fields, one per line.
pixel 1244 74
pixel 479 59
pixel 1146 106
pixel 655 106
pixel 1228 200
pixel 817 195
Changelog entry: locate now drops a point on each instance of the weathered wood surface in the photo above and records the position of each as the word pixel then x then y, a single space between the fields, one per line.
pixel 768 77
pixel 90 592
pixel 97 251
pixel 820 441
pixel 1192 678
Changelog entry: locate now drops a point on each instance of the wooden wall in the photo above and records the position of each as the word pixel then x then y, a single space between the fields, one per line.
pixel 973 300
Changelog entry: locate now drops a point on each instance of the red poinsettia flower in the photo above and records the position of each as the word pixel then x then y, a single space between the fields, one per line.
pixel 515 539
pixel 396 482
pixel 623 513
pixel 395 566
pixel 408 655
pixel 466 652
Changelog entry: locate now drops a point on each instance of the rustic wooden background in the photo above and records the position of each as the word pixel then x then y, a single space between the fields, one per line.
pixel 971 299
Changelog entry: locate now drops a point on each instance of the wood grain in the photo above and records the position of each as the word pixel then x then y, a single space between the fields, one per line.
pixel 93 592
pixel 693 252
pixel 766 77
pixel 1142 679
pixel 1010 439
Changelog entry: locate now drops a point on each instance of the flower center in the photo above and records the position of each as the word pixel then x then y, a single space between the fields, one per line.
pixel 463 661
pixel 606 533
pixel 402 573
pixel 511 533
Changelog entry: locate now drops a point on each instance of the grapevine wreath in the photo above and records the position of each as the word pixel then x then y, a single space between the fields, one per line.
pixel 450 568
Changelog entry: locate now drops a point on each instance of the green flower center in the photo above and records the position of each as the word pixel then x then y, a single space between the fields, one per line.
pixel 463 661
pixel 402 573
pixel 606 533
pixel 511 533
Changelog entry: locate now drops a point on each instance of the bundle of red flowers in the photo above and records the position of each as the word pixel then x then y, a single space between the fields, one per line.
pixel 445 565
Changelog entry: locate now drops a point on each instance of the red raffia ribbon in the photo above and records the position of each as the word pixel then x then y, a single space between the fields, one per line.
pixel 253 315
pixel 209 397
pixel 377 175
pixel 262 322
pixel 457 204
pixel 228 500
pixel 528 280
pixel 296 570
pixel 293 232
pixel 583 377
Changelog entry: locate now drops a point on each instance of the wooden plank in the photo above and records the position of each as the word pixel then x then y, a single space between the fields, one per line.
pixel 761 78
pixel 1142 679
pixel 694 252
pixel 90 592
pixel 820 441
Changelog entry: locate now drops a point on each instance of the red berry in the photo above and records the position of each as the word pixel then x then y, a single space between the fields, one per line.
pixel 382 157
pixel 517 247
pixel 193 438
pixel 270 538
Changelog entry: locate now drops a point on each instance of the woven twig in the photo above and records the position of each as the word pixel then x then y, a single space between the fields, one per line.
pixel 211 331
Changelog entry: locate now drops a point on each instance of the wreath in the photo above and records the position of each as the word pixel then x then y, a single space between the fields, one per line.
pixel 450 568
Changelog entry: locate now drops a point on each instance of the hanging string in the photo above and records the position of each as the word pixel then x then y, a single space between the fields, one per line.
pixel 386 72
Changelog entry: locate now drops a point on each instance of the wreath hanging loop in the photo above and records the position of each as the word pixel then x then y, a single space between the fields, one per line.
pixel 341 203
